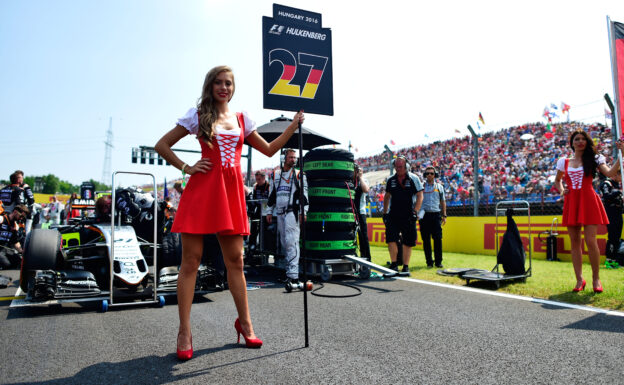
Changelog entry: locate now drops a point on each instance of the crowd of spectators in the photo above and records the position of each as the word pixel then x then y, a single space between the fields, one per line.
pixel 509 167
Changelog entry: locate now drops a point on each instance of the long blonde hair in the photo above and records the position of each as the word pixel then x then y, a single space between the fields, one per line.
pixel 208 113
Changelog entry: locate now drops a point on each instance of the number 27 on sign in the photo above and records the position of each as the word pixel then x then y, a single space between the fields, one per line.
pixel 289 68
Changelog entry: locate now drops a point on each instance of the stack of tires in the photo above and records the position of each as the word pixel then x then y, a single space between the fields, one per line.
pixel 330 224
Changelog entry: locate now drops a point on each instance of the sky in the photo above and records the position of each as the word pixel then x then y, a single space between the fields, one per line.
pixel 403 72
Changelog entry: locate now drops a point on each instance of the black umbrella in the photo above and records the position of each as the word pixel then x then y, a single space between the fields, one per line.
pixel 276 126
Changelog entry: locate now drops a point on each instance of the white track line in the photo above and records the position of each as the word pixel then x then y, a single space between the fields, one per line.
pixel 519 297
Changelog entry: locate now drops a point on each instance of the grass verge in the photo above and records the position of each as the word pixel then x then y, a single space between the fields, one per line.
pixel 549 280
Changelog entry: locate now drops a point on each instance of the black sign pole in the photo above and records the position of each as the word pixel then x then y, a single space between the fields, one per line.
pixel 303 237
pixel 297 77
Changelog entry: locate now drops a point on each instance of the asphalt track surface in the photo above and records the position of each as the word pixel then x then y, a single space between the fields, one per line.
pixel 396 331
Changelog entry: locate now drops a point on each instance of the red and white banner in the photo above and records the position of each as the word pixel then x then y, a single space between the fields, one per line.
pixel 617 61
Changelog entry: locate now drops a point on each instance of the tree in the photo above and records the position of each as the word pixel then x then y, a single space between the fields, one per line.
pixel 50 184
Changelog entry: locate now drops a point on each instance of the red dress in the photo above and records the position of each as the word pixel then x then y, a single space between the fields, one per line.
pixel 214 202
pixel 581 205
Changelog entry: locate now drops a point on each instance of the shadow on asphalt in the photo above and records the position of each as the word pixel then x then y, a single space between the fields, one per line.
pixel 599 322
pixel 55 310
pixel 150 369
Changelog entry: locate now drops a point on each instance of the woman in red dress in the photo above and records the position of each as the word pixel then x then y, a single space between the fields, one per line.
pixel 214 201
pixel 581 205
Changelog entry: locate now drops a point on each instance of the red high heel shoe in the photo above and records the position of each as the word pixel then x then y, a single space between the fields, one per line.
pixel 249 342
pixel 577 289
pixel 598 289
pixel 185 355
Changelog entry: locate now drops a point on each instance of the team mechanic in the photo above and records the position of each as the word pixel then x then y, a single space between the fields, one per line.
pixel 18 193
pixel 402 202
pixel 284 203
pixel 434 205
pixel 10 246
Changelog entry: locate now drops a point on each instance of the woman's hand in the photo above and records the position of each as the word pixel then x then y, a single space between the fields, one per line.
pixel 299 118
pixel 203 165
pixel 565 191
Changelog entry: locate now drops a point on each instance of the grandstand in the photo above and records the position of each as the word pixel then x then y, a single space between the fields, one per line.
pixel 509 167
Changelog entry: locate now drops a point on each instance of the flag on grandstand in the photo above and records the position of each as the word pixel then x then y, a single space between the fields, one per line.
pixel 392 142
pixel 478 126
pixel 166 192
pixel 481 119
pixel 553 106
pixel 457 131
pixel 565 108
pixel 546 112
pixel 549 126
pixel 608 114
pixel 616 34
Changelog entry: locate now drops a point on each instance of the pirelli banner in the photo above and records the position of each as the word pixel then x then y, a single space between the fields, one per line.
pixel 477 235
pixel 297 62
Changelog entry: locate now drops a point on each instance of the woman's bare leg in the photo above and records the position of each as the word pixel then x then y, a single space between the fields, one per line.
pixel 594 253
pixel 232 248
pixel 192 248
pixel 577 253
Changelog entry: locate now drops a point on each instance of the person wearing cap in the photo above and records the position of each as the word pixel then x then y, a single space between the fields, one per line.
pixel 434 205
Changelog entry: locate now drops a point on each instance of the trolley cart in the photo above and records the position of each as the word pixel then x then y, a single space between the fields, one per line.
pixel 495 275
pixel 123 249
pixel 325 269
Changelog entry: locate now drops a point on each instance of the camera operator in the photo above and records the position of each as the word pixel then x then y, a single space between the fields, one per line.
pixel 284 203
pixel 402 202
pixel 11 236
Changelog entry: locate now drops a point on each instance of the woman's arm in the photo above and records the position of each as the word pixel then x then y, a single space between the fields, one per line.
pixel 163 148
pixel 559 183
pixel 611 172
pixel 269 149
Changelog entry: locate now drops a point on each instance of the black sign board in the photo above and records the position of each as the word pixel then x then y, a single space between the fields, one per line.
pixel 297 62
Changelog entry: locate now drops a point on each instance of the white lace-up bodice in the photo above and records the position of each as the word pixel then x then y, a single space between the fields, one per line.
pixel 228 140
pixel 576 175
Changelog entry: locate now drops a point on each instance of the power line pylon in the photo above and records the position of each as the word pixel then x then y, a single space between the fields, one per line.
pixel 108 145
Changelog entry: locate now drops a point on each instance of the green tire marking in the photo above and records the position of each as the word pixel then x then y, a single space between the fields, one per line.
pixel 328 165
pixel 330 245
pixel 330 192
pixel 330 217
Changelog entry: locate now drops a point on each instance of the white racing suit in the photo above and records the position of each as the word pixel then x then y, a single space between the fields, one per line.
pixel 286 210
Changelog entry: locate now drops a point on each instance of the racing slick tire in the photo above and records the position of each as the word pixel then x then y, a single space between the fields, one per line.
pixel 328 163
pixel 330 218
pixel 325 192
pixel 324 245
pixel 41 249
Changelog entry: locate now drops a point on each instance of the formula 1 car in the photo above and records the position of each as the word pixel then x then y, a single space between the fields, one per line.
pixel 91 259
